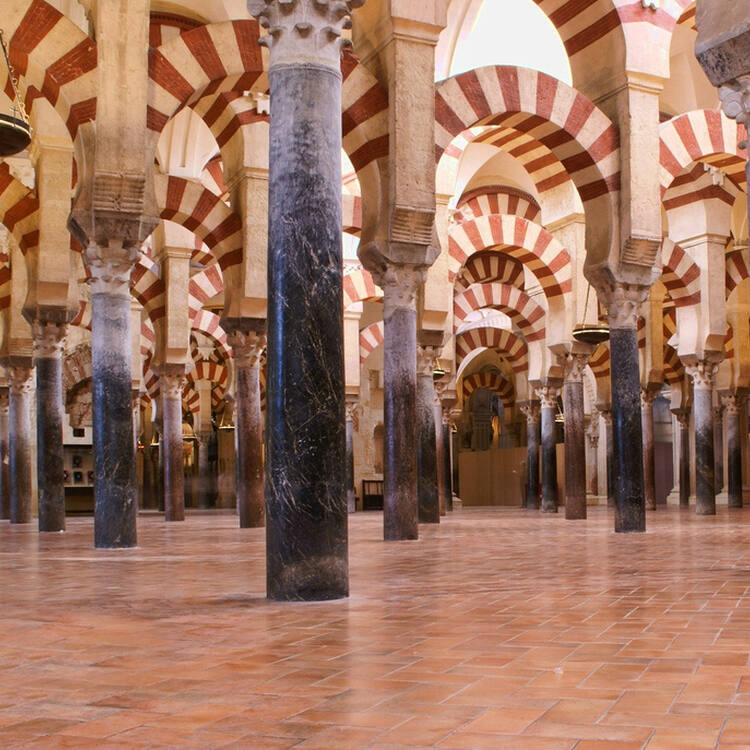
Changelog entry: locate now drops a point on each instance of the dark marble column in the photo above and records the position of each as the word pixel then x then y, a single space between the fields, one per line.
pixel 115 493
pixel 718 412
pixel 533 439
pixel 203 488
pixel 4 459
pixel 351 419
pixel 48 345
pixel 592 453
pixel 702 372
pixel 427 487
pixel 20 382
pixel 172 382
pixel 447 462
pixel 306 515
pixel 732 403
pixel 440 448
pixel 575 437
pixel 630 509
pixel 610 446
pixel 647 422
pixel 548 398
pixel 683 420
pixel 248 345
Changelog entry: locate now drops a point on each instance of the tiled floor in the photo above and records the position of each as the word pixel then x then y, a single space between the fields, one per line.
pixel 498 629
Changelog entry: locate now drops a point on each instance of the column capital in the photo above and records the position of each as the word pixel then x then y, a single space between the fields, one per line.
pixel 172 381
pixel 531 410
pixel 400 283
pixel 731 402
pixel 648 396
pixel 574 363
pixel 426 356
pixel 247 347
pixel 4 400
pixel 304 31
pixel 548 396
pixel 623 302
pixel 682 416
pixel 702 371
pixel 110 266
pixel 49 339
pixel 606 415
pixel 352 412
pixel 735 100
pixel 20 379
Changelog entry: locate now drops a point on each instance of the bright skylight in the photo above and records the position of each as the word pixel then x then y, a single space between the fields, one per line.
pixel 512 32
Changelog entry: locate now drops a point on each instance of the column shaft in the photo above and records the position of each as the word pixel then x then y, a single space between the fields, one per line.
pixel 575 450
pixel 549 451
pixel 437 415
pixel 4 459
pixel 429 505
pixel 649 475
pixel 19 443
pixel 447 466
pixel 533 438
pixel 703 420
pixel 350 494
pixel 718 449
pixel 174 481
pixel 684 462
pixel 610 446
pixel 734 449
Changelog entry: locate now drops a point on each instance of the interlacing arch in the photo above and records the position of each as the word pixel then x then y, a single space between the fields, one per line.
pixel 497 199
pixel 680 275
pixel 19 210
pixel 359 286
pixel 736 270
pixel 599 362
pixel 493 382
pixel 506 343
pixel 517 305
pixel 370 338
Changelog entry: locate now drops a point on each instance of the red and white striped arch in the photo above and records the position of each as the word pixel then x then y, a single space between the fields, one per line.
pixel 505 342
pixel 599 362
pixel 680 275
pixel 359 286
pixel 517 305
pixel 493 382
pixel 489 266
pixel 497 199
pixel 704 135
pixel 209 324
pixel 523 240
pixel 697 185
pixel 674 370
pixel 19 210
pixel 736 270
pixel 148 288
pixel 370 338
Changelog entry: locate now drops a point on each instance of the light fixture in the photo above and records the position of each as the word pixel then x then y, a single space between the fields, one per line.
pixel 438 372
pixel 15 131
pixel 590 333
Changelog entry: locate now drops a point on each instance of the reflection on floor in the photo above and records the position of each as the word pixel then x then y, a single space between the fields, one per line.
pixel 498 629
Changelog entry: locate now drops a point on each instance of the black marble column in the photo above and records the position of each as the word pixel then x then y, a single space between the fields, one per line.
pixel 447 444
pixel 351 497
pixel 732 403
pixel 548 398
pixel 20 382
pixel 610 448
pixel 630 509
pixel 440 448
pixel 575 437
pixel 702 373
pixel 48 342
pixel 718 448
pixel 533 439
pixel 172 383
pixel 4 459
pixel 306 515
pixel 427 487
pixel 592 454
pixel 115 493
pixel 683 418
pixel 647 425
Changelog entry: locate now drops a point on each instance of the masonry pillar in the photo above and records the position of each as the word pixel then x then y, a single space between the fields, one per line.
pixel 20 383
pixel 115 493
pixel 575 438
pixel 306 531
pixel 647 421
pixel 427 487
pixel 248 344
pixel 702 372
pixel 548 398
pixel 718 416
pixel 609 437
pixel 592 455
pixel 533 439
pixel 48 344
pixel 172 381
pixel 732 403
pixel 4 468
pixel 683 418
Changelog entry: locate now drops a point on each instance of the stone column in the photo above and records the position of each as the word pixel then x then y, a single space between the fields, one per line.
pixel 351 420
pixel 437 416
pixel 623 305
pixel 533 439
pixel 172 382
pixel 248 346
pixel 683 418
pixel 548 398
pixel 702 372
pixel 575 440
pixel 306 538
pixel 718 415
pixel 20 383
pixel 732 403
pixel 48 346
pixel 592 455
pixel 647 421
pixel 115 493
pixel 4 460
pixel 400 494
pixel 610 446
pixel 447 461
pixel 427 487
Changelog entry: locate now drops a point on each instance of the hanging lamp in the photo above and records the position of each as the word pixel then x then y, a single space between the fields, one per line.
pixel 15 131
pixel 590 333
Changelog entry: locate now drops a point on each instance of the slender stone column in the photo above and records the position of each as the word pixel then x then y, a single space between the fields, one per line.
pixel 732 403
pixel 440 448
pixel 248 346
pixel 447 461
pixel 4 468
pixel 429 505
pixel 48 346
pixel 702 372
pixel 610 446
pixel 623 306
pixel 20 382
pixel 172 382
pixel 306 531
pixel 592 455
pixel 647 420
pixel 533 439
pixel 548 397
pixel 115 493
pixel 575 439
pixel 683 420
pixel 351 423
pixel 718 413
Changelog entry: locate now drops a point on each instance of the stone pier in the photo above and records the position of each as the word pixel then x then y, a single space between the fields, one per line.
pixel 548 398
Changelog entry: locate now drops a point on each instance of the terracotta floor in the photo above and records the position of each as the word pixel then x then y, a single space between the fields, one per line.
pixel 499 629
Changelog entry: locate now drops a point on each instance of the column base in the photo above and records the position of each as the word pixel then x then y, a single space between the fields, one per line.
pixel 596 499
pixel 457 503
pixel 722 498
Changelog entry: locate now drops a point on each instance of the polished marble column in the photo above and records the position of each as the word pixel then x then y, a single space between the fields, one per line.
pixel 610 462
pixel 732 403
pixel 437 416
pixel 447 461
pixel 575 438
pixel 533 439
pixel 352 406
pixel 592 455
pixel 48 345
pixel 648 396
pixel 115 492
pixel 683 419
pixel 427 486
pixel 306 514
pixel 702 372
pixel 718 412
pixel 20 383
pixel 4 459
pixel 548 398
pixel 172 382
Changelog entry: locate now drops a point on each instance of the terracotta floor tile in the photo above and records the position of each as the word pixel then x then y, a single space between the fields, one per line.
pixel 680 739
pixel 503 721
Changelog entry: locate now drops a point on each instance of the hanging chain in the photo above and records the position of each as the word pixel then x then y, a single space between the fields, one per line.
pixel 19 107
pixel 586 304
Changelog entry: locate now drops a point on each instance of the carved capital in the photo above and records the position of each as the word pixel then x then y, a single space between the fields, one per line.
pixel 400 284
pixel 426 356
pixel 683 417
pixel 172 381
pixel 648 396
pixel 548 396
pixel 573 367
pixel 352 413
pixel 110 266
pixel 607 417
pixel 702 372
pixel 531 410
pixel 247 347
pixel 49 339
pixel 4 401
pixel 735 100
pixel 623 303
pixel 731 404
pixel 304 31
pixel 20 379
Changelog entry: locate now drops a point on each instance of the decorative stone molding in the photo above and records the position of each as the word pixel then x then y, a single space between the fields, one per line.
pixel 573 367
pixel 531 410
pixel 49 339
pixel 110 266
pixel 20 379
pixel 426 356
pixel 400 284
pixel 247 347
pixel 623 303
pixel 735 100
pixel 304 31
pixel 548 396
pixel 702 372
